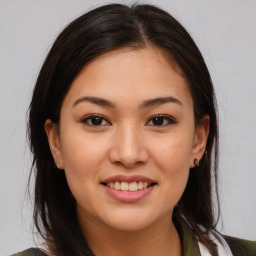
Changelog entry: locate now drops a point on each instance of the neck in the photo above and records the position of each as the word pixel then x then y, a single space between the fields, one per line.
pixel 159 239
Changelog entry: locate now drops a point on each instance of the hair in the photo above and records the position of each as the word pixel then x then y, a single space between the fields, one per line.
pixel 99 31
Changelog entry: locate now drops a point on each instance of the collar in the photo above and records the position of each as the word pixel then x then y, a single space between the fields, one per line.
pixel 189 241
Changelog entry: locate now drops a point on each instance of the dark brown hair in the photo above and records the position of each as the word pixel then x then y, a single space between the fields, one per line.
pixel 101 30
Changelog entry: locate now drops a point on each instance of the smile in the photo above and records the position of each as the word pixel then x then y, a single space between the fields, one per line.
pixel 126 186
pixel 128 189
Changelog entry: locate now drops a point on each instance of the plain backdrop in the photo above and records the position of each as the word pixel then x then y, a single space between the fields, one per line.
pixel 225 32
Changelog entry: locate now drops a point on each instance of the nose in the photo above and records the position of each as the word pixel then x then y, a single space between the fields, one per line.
pixel 128 147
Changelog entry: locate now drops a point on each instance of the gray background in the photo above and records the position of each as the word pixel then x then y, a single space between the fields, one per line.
pixel 224 31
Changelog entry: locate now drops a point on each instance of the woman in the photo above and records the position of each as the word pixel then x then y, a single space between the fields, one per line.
pixel 124 132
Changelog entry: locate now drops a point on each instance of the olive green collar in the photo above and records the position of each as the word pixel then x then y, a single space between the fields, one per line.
pixel 188 239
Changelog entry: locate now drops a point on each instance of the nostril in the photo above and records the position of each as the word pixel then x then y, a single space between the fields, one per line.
pixel 128 154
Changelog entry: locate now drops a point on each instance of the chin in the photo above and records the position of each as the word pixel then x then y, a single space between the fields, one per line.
pixel 131 220
pixel 130 225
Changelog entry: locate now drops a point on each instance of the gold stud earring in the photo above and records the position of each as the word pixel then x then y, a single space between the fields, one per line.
pixel 57 165
pixel 196 162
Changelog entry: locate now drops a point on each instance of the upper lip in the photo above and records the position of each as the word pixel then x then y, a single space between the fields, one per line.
pixel 128 179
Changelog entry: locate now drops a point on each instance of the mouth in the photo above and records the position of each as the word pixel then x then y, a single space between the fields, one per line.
pixel 128 189
pixel 132 186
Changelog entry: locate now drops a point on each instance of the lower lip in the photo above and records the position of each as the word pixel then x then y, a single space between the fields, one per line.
pixel 128 196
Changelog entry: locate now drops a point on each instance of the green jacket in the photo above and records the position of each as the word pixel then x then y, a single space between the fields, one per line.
pixel 190 247
pixel 189 242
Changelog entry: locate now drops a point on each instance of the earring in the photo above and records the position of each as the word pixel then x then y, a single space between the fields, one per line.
pixel 196 162
pixel 57 165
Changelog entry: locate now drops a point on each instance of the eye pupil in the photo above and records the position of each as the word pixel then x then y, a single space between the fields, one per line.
pixel 158 120
pixel 96 120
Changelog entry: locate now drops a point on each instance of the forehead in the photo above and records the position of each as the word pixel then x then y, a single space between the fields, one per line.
pixel 127 73
pixel 149 58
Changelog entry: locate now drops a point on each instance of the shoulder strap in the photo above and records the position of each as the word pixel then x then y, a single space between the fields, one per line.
pixel 240 247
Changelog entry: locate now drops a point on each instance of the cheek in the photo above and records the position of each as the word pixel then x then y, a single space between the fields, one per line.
pixel 80 150
pixel 175 171
pixel 83 157
pixel 172 157
pixel 172 154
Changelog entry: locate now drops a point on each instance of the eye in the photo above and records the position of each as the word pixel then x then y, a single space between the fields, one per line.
pixel 161 120
pixel 95 120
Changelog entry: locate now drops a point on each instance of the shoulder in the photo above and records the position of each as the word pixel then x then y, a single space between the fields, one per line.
pixel 241 247
pixel 30 252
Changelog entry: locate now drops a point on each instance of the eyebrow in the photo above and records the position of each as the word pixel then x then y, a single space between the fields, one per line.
pixel 147 103
pixel 95 100
pixel 159 101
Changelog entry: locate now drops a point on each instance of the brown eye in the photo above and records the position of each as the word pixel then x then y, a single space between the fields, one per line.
pixel 161 120
pixel 95 120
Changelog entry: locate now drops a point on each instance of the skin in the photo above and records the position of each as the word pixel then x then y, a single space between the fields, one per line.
pixel 128 142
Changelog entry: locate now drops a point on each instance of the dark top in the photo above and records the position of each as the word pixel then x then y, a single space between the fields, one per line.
pixel 190 247
pixel 30 252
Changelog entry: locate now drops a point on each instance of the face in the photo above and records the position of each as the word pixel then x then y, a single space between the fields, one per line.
pixel 127 139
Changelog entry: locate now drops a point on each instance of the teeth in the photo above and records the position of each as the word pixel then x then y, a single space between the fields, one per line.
pixel 117 185
pixel 133 186
pixel 125 186
pixel 145 184
pixel 140 185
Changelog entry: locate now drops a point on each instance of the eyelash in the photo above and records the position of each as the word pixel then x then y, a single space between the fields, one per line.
pixel 169 120
pixel 89 118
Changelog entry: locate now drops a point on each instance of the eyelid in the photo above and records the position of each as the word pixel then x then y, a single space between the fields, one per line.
pixel 87 117
pixel 169 118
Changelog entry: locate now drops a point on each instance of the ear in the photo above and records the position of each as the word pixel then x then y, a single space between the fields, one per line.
pixel 54 142
pixel 200 140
